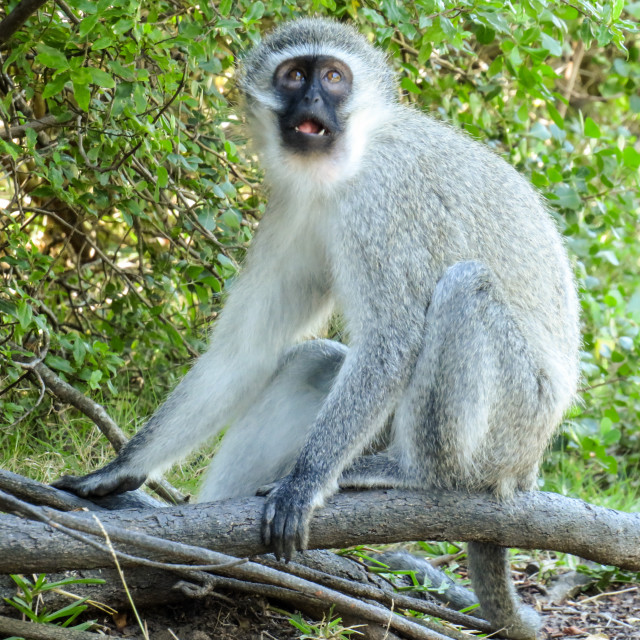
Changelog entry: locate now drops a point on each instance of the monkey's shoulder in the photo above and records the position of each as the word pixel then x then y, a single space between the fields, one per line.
pixel 417 140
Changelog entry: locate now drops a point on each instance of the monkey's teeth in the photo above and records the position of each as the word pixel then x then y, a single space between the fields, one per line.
pixel 322 132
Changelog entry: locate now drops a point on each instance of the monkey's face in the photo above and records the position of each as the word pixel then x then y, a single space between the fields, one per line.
pixel 311 90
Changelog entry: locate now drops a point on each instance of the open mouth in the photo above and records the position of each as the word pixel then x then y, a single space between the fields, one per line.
pixel 312 128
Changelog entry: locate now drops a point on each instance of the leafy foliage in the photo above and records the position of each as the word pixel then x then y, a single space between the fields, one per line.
pixel 27 602
pixel 125 220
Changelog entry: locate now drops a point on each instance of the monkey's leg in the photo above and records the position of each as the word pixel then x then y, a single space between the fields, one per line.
pixel 477 415
pixel 263 445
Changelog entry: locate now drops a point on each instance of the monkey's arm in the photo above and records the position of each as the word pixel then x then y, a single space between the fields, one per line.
pixel 270 305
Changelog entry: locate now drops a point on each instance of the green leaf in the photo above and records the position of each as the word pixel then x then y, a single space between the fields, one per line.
pixel 79 351
pixel 256 11
pixel 56 362
pixel 567 197
pixel 56 85
pixel 101 78
pixel 102 43
pixel 631 158
pixel 25 314
pixel 123 25
pixel 409 85
pixel 591 129
pixel 82 95
pixel 87 25
pixel 50 57
pixel 616 10
pixel 551 44
pixel 162 177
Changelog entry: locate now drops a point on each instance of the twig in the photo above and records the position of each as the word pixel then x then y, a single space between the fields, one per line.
pixel 393 600
pixel 66 9
pixel 578 9
pixel 578 55
pixel 605 594
pixel 83 153
pixel 31 366
pixel 602 384
pixel 42 354
pixel 33 407
pixel 20 130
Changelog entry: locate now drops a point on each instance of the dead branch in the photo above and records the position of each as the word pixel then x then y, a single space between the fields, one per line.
pixel 182 540
pixel 42 494
pixel 31 631
pixel 228 566
pixel 529 521
pixel 151 585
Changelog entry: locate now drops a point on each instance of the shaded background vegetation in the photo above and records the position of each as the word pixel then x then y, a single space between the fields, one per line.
pixel 128 200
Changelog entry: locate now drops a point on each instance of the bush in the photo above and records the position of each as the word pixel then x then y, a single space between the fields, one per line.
pixel 129 196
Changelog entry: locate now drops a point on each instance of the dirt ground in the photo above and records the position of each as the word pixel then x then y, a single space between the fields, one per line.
pixel 613 615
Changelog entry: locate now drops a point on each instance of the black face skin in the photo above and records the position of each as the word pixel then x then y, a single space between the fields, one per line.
pixel 311 89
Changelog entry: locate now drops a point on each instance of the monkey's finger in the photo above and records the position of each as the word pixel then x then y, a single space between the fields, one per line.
pixel 290 534
pixel 267 520
pixel 69 483
pixel 302 535
pixel 278 532
pixel 266 489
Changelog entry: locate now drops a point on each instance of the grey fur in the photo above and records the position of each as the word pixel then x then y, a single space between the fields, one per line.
pixel 457 294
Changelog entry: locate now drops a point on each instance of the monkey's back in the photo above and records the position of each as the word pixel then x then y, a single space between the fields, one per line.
pixel 456 200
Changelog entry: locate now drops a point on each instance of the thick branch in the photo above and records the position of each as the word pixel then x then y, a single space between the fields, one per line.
pixel 18 17
pixel 530 520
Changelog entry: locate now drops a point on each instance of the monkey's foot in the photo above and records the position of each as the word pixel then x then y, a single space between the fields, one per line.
pixel 111 479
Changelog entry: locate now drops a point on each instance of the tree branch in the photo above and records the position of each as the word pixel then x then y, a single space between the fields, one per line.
pixel 32 631
pixel 529 521
pixel 20 130
pixel 18 17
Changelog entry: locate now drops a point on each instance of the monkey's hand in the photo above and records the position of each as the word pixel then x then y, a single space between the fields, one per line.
pixel 287 513
pixel 113 478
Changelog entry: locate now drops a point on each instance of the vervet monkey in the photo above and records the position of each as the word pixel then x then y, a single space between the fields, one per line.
pixel 456 291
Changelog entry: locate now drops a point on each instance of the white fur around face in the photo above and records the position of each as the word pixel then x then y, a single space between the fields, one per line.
pixel 304 173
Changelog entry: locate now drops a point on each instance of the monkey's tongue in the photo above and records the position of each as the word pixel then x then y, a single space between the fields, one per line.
pixel 309 126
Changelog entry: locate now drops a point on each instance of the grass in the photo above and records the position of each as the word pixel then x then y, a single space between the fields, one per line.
pixel 55 440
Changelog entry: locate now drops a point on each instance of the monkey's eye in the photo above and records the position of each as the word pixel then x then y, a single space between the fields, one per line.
pixel 333 76
pixel 296 75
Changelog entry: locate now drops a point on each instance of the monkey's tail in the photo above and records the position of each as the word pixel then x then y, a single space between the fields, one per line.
pixel 499 602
